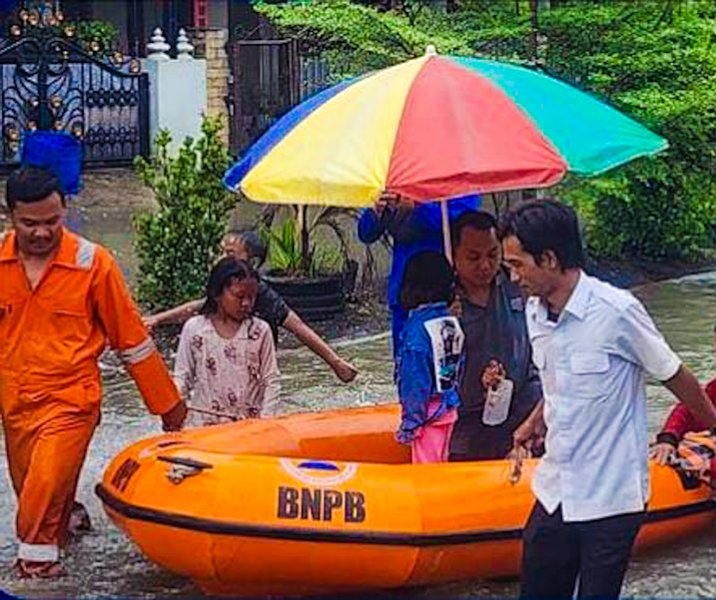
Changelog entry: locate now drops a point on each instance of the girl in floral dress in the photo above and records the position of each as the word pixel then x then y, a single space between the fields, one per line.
pixel 226 362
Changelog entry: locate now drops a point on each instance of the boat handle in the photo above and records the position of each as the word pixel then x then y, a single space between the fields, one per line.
pixel 181 467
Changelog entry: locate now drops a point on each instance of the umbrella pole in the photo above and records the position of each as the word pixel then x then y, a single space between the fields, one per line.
pixel 445 218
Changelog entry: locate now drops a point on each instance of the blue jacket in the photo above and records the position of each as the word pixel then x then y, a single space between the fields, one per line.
pixel 427 366
pixel 419 230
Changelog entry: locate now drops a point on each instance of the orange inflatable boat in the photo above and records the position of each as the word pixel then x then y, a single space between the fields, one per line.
pixel 329 503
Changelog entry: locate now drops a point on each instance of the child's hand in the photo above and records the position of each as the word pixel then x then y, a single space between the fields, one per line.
pixel 664 453
pixel 456 305
pixel 344 370
pixel 150 321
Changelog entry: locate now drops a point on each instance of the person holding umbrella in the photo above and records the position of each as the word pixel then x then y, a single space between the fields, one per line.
pixel 593 345
pixel 413 228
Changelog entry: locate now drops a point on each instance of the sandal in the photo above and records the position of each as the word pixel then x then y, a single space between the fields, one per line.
pixel 30 569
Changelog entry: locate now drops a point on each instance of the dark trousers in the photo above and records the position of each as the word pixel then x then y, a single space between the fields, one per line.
pixel 558 555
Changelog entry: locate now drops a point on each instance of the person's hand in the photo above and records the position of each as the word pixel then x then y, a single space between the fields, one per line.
pixel 173 419
pixel 663 453
pixel 344 370
pixel 380 206
pixel 455 307
pixel 530 434
pixel 150 321
pixel 516 457
pixel 493 375
pixel 386 200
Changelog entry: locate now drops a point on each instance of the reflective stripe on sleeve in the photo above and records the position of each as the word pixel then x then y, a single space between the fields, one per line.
pixel 138 353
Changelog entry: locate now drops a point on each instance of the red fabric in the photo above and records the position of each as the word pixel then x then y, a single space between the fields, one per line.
pixel 681 421
pixel 460 133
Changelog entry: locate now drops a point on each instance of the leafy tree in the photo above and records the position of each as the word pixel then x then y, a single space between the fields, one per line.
pixel 654 60
pixel 356 38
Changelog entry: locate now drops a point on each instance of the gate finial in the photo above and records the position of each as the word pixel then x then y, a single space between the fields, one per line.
pixel 157 47
pixel 184 46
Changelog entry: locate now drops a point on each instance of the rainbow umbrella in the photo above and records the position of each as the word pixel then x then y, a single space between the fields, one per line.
pixel 436 127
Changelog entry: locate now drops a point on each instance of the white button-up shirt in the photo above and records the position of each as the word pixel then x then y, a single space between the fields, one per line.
pixel 592 362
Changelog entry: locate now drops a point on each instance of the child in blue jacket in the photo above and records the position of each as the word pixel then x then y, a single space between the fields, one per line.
pixel 427 363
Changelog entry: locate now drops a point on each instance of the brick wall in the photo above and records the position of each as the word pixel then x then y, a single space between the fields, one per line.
pixel 211 45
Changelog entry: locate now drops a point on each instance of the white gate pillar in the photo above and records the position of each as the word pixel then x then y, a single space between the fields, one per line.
pixel 177 90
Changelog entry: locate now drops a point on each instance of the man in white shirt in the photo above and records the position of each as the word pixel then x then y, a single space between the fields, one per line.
pixel 594 345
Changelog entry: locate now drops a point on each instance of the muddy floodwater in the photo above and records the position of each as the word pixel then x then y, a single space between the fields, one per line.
pixel 105 564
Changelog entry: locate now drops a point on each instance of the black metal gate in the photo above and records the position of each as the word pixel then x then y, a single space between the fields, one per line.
pixel 51 82
pixel 266 83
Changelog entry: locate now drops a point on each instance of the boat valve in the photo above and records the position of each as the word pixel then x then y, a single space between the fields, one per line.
pixel 181 468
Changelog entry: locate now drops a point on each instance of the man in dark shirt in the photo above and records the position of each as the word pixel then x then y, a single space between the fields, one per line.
pixel 499 385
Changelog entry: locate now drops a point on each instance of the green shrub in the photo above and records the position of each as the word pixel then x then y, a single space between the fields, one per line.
pixel 177 243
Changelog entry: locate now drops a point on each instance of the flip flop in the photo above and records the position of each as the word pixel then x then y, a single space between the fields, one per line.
pixel 27 569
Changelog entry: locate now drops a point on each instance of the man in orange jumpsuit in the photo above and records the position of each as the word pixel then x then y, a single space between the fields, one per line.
pixel 62 299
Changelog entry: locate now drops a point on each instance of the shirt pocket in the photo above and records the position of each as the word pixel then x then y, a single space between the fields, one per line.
pixel 587 374
pixel 62 324
pixel 65 305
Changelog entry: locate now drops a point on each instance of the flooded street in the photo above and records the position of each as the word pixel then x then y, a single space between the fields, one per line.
pixel 104 563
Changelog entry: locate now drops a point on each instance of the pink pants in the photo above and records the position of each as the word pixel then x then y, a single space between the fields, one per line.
pixel 432 442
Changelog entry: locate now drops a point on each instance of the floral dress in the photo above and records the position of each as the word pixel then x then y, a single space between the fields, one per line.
pixel 227 379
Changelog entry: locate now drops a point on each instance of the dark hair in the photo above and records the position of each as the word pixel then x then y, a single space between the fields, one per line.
pixel 31 184
pixel 473 219
pixel 255 246
pixel 543 225
pixel 428 277
pixel 227 270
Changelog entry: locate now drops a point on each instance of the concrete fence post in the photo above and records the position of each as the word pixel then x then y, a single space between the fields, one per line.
pixel 177 90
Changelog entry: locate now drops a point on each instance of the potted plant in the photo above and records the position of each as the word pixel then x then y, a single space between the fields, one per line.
pixel 314 274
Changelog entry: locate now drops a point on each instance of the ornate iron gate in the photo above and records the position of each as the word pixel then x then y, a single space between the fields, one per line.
pixel 51 82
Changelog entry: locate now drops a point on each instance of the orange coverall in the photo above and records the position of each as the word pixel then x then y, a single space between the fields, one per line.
pixel 50 387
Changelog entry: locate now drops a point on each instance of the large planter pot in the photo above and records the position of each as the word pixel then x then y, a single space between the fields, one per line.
pixel 313 298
